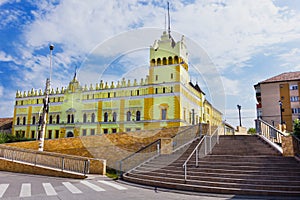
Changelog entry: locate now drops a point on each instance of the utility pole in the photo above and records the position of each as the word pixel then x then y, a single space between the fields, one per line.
pixel 46 105
pixel 239 108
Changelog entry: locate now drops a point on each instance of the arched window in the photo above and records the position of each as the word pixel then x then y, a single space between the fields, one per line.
pixel 138 115
pixel 114 117
pixel 84 118
pixel 170 60
pixel 176 60
pixel 153 62
pixel 18 120
pixel 72 118
pixel 93 117
pixel 40 120
pixel 105 117
pixel 164 61
pixel 158 61
pixel 57 119
pixel 70 134
pixel 33 120
pixel 128 116
pixel 24 120
pixel 50 119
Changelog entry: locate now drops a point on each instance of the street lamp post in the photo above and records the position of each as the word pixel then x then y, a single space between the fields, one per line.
pixel 239 108
pixel 280 106
pixel 46 105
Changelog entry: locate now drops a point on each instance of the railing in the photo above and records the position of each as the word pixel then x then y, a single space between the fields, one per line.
pixel 201 150
pixel 269 133
pixel 46 159
pixel 152 150
pixel 143 155
pixel 186 136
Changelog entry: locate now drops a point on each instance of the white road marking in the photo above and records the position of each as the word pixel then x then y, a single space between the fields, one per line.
pixel 92 186
pixel 49 189
pixel 119 187
pixel 3 188
pixel 71 188
pixel 25 190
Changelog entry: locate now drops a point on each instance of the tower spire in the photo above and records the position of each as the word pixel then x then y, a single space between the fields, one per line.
pixel 169 28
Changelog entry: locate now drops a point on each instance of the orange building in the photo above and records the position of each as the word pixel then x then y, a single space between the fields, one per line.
pixel 278 99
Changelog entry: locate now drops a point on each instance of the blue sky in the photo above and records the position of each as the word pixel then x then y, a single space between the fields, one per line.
pixel 247 41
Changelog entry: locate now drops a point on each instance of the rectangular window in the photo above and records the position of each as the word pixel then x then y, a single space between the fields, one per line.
pixel 295 110
pixel 138 129
pixel 156 77
pixel 163 114
pixel 114 130
pixel 56 133
pixel 92 131
pixel 294 98
pixel 32 134
pixel 293 87
pixel 50 134
pixel 128 129
pixel 84 132
pixel 105 130
pixel 171 75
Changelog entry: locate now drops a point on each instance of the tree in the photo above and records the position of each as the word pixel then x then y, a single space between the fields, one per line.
pixel 297 128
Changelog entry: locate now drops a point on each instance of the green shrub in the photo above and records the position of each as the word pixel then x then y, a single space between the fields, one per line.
pixel 297 128
pixel 252 131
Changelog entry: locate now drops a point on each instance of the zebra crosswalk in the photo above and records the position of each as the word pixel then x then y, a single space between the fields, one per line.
pixel 51 189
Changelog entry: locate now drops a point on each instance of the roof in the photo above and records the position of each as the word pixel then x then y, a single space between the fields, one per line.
pixel 196 87
pixel 287 76
pixel 4 122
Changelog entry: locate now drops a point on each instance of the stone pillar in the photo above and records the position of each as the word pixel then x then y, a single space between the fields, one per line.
pixel 166 146
pixel 288 146
pixel 97 166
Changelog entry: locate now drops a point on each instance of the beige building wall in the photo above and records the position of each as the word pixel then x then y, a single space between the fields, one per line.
pixel 270 102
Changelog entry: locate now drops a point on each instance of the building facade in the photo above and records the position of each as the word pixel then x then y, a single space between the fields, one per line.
pixel 278 99
pixel 164 98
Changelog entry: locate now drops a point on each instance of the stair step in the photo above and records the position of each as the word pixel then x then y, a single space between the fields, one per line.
pixel 200 188
pixel 237 165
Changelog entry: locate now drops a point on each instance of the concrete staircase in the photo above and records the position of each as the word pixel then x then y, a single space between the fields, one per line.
pixel 240 165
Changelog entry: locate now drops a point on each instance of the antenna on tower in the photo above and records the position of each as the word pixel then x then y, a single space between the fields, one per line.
pixel 169 28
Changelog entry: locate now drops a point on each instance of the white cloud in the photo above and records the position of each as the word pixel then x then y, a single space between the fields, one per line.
pixel 4 57
pixel 291 59
pixel 232 87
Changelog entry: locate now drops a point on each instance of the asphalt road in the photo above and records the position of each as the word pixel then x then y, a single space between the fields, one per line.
pixel 23 186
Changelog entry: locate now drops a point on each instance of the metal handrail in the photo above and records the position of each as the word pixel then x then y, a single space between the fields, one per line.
pixel 270 134
pixel 197 148
pixel 69 163
pixel 144 158
pixel 190 156
pixel 187 137
pixel 149 156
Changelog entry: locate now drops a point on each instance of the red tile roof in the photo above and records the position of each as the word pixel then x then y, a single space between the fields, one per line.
pixel 287 76
pixel 4 121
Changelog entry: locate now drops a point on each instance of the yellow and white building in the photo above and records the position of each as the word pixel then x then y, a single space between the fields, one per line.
pixel 165 98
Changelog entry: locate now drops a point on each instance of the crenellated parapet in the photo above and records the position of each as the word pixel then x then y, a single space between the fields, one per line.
pixel 38 93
